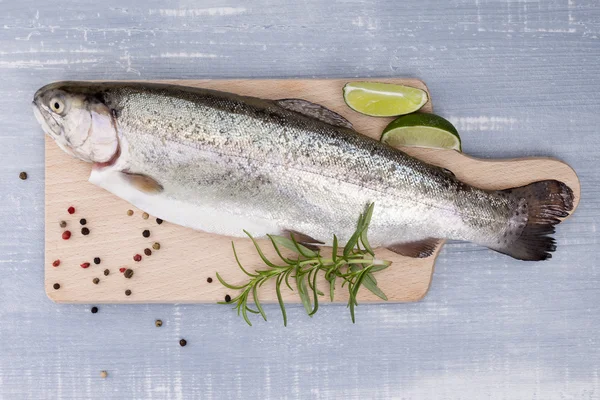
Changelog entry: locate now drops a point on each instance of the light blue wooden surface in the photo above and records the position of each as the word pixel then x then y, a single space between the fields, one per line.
pixel 518 78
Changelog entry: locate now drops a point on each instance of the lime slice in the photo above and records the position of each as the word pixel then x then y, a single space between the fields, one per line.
pixel 383 99
pixel 421 130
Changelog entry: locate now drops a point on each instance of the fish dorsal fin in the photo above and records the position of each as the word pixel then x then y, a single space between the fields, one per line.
pixel 419 249
pixel 316 111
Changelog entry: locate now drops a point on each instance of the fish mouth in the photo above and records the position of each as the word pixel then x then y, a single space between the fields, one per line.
pixel 45 119
pixel 49 125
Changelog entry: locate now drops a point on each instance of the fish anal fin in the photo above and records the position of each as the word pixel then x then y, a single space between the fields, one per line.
pixel 417 249
pixel 303 239
pixel 143 183
pixel 314 111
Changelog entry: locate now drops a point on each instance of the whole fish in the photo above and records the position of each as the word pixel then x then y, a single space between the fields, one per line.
pixel 222 163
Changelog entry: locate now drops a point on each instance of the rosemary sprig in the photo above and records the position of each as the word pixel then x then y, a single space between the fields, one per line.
pixel 355 267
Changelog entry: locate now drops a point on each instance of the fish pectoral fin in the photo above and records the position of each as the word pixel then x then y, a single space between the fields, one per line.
pixel 419 249
pixel 143 183
pixel 303 239
pixel 314 111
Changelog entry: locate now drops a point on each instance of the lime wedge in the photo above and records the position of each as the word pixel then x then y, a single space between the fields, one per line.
pixel 383 99
pixel 421 130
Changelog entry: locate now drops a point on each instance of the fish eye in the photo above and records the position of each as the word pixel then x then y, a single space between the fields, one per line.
pixel 57 105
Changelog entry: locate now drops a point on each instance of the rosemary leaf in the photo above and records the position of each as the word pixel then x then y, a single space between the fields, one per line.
pixel 227 285
pixel 276 247
pixel 355 266
pixel 334 249
pixel 315 294
pixel 260 253
pixel 237 260
pixel 371 284
pixel 257 302
pixel 377 268
pixel 280 298
pixel 301 284
pixel 363 236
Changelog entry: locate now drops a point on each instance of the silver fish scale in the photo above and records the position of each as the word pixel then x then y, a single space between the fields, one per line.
pixel 254 158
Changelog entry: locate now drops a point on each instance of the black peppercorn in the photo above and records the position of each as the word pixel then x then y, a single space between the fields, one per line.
pixel 97 260
pixel 148 252
pixel 23 175
pixel 106 272
pixel 209 280
pixel 56 286
pixel 83 221
pixel 127 292
pixel 128 273
pixel 182 342
pixel 227 298
pixel 85 231
pixel 96 281
pixel 146 233
pixel 159 221
pixel 94 310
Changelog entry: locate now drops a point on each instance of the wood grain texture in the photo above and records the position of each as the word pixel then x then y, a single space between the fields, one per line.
pixel 517 78
pixel 178 272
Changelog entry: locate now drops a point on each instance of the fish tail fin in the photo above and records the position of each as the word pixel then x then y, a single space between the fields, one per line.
pixel 540 206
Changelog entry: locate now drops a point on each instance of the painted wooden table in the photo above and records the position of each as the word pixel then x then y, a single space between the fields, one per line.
pixel 517 78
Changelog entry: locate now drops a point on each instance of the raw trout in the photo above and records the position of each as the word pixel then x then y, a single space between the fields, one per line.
pixel 222 163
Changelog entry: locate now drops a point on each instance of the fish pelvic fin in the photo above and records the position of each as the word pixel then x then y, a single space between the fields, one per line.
pixel 142 182
pixel 540 206
pixel 418 249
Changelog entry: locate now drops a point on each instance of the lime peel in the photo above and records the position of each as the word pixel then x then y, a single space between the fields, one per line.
pixel 422 130
pixel 383 99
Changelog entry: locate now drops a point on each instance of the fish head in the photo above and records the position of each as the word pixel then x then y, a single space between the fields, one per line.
pixel 78 120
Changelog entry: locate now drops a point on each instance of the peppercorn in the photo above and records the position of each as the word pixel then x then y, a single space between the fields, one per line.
pixel 56 286
pixel 94 310
pixel 85 265
pixel 121 270
pixel 145 215
pixel 182 342
pixel 209 280
pixel 130 212
pixel 71 210
pixel 227 298
pixel 97 260
pixel 66 235
pixel 128 292
pixel 83 221
pixel 156 246
pixel 85 231
pixel 106 272
pixel 128 273
pixel 23 175
pixel 96 281
pixel 137 258
pixel 148 252
pixel 158 323
pixel 159 221
pixel 56 263
pixel 146 233
pixel 103 374
pixel 63 224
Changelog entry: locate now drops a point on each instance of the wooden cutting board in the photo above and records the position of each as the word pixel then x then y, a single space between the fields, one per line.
pixel 179 272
